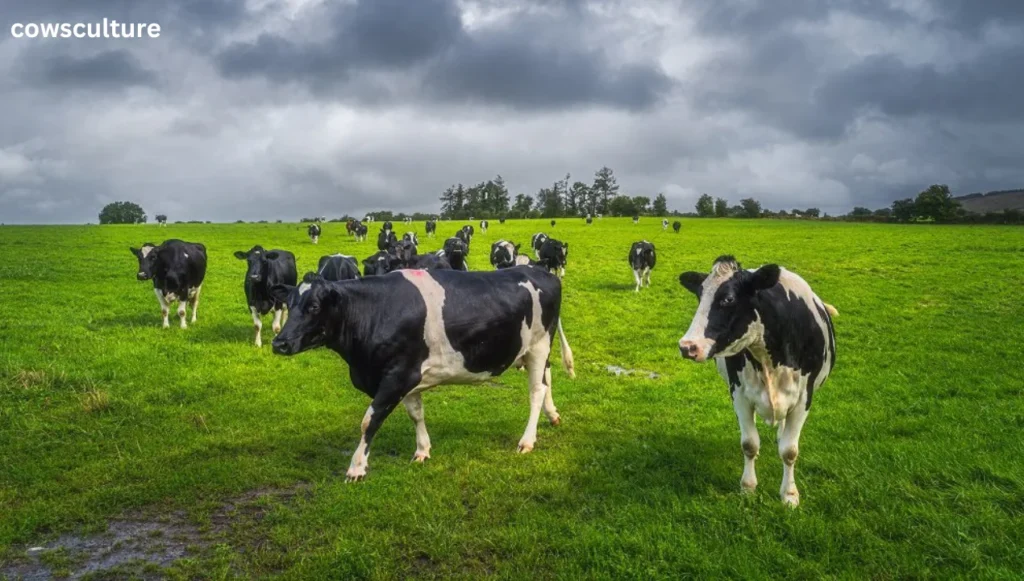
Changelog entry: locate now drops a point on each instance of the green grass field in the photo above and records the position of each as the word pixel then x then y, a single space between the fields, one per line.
pixel 910 463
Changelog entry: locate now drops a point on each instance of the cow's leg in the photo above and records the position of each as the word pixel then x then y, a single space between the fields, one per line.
pixel 789 449
pixel 536 359
pixel 414 405
pixel 647 272
pixel 636 276
pixel 182 304
pixel 750 441
pixel 383 404
pixel 549 404
pixel 276 324
pixel 257 324
pixel 164 308
pixel 195 302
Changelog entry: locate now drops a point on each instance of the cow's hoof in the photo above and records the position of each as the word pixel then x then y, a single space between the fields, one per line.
pixel 277 330
pixel 525 448
pixel 420 457
pixel 791 498
pixel 556 421
pixel 355 475
pixel 748 487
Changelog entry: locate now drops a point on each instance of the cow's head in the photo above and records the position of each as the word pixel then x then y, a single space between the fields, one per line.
pixel 726 321
pixel 149 257
pixel 503 254
pixel 257 258
pixel 379 264
pixel 403 251
pixel 311 314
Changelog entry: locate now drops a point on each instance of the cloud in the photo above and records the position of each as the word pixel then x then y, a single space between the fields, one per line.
pixel 266 109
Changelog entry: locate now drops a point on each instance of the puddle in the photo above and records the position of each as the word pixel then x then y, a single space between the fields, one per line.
pixel 618 371
pixel 140 545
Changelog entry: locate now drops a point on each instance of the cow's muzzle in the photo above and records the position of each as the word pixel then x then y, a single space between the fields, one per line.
pixel 142 276
pixel 282 347
pixel 693 350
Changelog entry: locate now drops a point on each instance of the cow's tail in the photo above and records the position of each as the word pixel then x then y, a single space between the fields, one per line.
pixel 566 352
pixel 831 310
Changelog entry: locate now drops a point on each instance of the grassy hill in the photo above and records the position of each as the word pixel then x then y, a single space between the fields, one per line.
pixel 980 203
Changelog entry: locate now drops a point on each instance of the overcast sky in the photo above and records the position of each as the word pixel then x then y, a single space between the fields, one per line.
pixel 267 109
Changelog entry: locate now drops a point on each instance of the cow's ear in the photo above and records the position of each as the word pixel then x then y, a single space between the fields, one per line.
pixel 517 247
pixel 692 281
pixel 280 292
pixel 135 251
pixel 272 255
pixel 765 277
pixel 241 255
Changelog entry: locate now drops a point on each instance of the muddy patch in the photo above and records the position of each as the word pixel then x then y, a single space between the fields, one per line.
pixel 619 371
pixel 140 545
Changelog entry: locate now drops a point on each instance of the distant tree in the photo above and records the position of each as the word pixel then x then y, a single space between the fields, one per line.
pixel 860 212
pixel 751 208
pixel 660 205
pixel 641 204
pixel 812 212
pixel 705 206
pixel 122 213
pixel 522 205
pixel 622 206
pixel 883 213
pixel 604 189
pixel 904 210
pixel 737 212
pixel 937 203
pixel 576 200
pixel 721 208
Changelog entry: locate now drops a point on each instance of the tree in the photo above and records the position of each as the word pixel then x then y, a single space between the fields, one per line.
pixel 640 204
pixel 621 206
pixel 122 213
pixel 812 212
pixel 660 206
pixel 522 205
pixel 576 202
pixel 604 188
pixel 904 210
pixel 721 208
pixel 751 208
pixel 549 202
pixel 705 206
pixel 860 212
pixel 937 203
pixel 883 213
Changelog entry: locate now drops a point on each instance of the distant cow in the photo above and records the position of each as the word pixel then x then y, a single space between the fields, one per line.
pixel 483 225
pixel 536 242
pixel 177 269
pixel 590 220
pixel 676 226
pixel 552 223
pixel 503 254
pixel 407 220
pixel 466 235
pixel 431 228
pixel 350 226
pixel 161 219
pixel 455 251
pixel 412 330
pixel 386 227
pixel 664 223
pixel 361 230
pixel 380 263
pixel 369 218
pixel 266 268
pixel 636 218
pixel 338 267
pixel 314 233
pixel 403 249
pixel 553 255
pixel 642 259
pixel 501 220
pixel 411 237
pixel 774 345
pixel 385 239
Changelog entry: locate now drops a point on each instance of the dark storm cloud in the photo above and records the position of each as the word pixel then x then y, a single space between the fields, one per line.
pixel 517 64
pixel 110 69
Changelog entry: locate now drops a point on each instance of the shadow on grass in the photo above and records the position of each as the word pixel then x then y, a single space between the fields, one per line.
pixel 615 286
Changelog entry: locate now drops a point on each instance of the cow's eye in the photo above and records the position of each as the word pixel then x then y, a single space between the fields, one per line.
pixel 314 309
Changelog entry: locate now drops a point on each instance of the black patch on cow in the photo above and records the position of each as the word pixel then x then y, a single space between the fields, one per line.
pixel 337 267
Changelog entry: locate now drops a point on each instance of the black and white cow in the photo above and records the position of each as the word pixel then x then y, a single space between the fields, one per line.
pixel 350 226
pixel 404 250
pixel 676 226
pixel 429 261
pixel 386 227
pixel 177 269
pixel 590 220
pixel 552 223
pixel 455 251
pixel 664 223
pixel 636 218
pixel 642 259
pixel 338 267
pixel 431 228
pixel 385 239
pixel 407 220
pixel 361 230
pixel 369 218
pixel 553 255
pixel 501 220
pixel 314 232
pixel 452 328
pixel 266 268
pixel 411 237
pixel 466 234
pixel 504 254
pixel 161 219
pixel 380 263
pixel 483 225
pixel 536 242
pixel 773 342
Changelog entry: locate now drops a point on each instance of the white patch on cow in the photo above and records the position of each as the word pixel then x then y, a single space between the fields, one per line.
pixel 443 363
pixel 145 250
pixel 257 325
pixel 164 309
pixel 720 273
pixel 186 254
pixel 522 260
pixel 303 287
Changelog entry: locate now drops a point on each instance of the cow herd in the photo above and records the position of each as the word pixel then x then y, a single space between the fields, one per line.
pixel 414 321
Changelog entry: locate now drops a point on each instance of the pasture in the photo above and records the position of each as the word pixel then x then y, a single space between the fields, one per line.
pixel 910 463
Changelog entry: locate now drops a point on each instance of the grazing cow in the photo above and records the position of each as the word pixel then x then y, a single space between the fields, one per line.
pixel 641 258
pixel 676 226
pixel 338 267
pixel 177 269
pixel 361 230
pixel 590 220
pixel 266 269
pixel 536 242
pixel 386 239
pixel 161 219
pixel 503 254
pixel 431 228
pixel 664 223
pixel 552 223
pixel 773 342
pixel 553 254
pixel 314 233
pixel 501 220
pixel 455 251
pixel 636 218
pixel 412 330
pixel 483 225
pixel 411 237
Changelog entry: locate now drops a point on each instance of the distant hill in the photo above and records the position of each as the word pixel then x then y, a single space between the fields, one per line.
pixel 980 203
